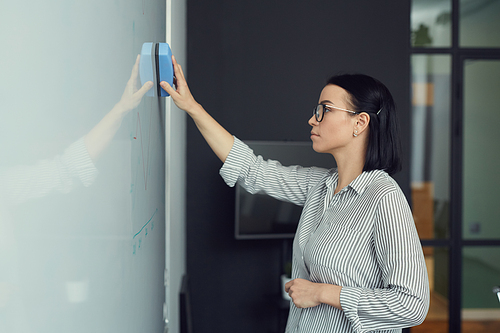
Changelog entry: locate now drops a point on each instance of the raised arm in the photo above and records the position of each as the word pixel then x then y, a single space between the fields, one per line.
pixel 217 137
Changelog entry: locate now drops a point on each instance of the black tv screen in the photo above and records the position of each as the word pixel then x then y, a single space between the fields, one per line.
pixel 259 216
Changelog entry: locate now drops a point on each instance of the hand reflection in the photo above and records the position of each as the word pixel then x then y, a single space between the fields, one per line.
pixel 61 173
pixel 102 134
pixel 132 95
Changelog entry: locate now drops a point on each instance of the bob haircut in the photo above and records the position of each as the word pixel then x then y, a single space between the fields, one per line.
pixel 367 94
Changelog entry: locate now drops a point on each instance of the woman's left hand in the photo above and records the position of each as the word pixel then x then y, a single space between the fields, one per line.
pixel 307 294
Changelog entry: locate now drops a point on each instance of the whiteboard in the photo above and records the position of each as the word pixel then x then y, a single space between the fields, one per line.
pixel 82 239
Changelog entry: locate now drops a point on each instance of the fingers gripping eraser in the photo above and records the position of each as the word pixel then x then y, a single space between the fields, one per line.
pixel 156 65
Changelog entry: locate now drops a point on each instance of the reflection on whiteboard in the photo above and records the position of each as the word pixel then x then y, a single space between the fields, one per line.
pixel 147 138
pixel 82 168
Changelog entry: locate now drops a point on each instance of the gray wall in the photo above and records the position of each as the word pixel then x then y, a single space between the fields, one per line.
pixel 258 67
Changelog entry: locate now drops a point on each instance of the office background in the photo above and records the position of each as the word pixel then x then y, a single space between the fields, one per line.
pixel 258 70
pixel 258 67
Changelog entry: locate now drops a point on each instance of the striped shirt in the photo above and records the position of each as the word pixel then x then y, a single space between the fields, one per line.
pixel 363 238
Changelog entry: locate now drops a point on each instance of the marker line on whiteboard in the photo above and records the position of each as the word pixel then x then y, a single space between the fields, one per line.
pixel 145 162
pixel 144 226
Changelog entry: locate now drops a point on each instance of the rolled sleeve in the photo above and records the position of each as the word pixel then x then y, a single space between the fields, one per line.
pixel 237 162
pixel 257 175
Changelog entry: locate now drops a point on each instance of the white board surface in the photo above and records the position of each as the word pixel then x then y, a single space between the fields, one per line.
pixel 82 239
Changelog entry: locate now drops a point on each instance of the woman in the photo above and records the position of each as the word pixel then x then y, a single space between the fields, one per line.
pixel 358 264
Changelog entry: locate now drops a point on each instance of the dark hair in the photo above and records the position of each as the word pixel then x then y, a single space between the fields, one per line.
pixel 370 95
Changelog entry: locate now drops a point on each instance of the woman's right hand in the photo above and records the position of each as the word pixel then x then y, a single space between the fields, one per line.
pixel 181 95
pixel 216 136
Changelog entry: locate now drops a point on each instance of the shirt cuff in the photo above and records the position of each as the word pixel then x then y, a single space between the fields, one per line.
pixel 237 162
pixel 349 299
pixel 78 161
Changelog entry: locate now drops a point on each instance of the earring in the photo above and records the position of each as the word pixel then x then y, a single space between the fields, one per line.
pixel 355 133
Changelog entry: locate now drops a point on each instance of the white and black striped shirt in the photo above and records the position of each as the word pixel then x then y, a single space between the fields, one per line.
pixel 362 238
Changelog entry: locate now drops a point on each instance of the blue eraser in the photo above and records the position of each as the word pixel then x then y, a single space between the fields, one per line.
pixel 156 65
pixel 147 66
pixel 165 67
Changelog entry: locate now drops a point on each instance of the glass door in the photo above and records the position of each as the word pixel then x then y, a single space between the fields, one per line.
pixel 455 61
pixel 480 204
pixel 430 175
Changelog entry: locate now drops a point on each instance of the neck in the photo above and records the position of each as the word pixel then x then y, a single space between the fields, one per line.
pixel 349 167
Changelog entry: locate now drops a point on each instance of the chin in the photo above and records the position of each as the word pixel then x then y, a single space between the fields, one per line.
pixel 317 148
pixel 321 150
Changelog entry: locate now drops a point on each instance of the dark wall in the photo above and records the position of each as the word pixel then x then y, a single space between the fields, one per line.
pixel 258 67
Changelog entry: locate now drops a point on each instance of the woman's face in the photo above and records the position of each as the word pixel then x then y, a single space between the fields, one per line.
pixel 335 131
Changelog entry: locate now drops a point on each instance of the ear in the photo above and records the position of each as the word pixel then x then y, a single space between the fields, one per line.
pixel 362 121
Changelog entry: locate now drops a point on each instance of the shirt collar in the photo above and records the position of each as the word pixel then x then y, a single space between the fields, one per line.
pixel 364 180
pixel 359 184
pixel 333 178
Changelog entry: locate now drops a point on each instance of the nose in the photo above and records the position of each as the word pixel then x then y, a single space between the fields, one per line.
pixel 312 121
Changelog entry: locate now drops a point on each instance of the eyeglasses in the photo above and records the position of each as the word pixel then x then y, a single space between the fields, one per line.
pixel 320 110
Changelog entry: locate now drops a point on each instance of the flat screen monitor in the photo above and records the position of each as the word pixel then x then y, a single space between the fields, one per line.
pixel 260 216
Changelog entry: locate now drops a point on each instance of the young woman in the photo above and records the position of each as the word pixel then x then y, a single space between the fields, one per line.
pixel 358 264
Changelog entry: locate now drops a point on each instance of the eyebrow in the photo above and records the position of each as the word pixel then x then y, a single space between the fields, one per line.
pixel 326 101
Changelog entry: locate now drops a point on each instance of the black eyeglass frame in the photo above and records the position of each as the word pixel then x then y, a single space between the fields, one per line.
pixel 326 108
